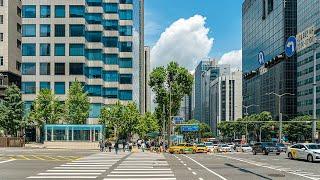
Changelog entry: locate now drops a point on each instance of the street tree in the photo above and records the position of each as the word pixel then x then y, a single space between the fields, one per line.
pixel 77 105
pixel 11 111
pixel 299 131
pixel 170 84
pixel 147 124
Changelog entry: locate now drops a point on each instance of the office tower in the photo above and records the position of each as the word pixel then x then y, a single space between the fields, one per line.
pixel 145 92
pixel 266 25
pixel 308 15
pixel 10 44
pixel 185 108
pixel 92 41
pixel 225 99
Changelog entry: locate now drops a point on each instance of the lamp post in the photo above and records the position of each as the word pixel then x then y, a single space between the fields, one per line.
pixel 314 113
pixel 279 109
pixel 246 114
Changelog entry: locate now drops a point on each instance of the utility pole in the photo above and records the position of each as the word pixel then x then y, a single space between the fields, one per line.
pixel 279 110
pixel 314 113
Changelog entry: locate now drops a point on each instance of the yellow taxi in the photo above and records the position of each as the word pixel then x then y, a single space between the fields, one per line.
pixel 183 148
pixel 201 148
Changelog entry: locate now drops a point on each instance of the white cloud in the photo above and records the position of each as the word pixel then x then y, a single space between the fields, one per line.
pixel 185 41
pixel 234 58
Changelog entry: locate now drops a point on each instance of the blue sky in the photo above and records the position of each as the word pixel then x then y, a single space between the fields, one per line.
pixel 223 18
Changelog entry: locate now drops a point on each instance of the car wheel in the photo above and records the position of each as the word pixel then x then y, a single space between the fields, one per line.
pixel 310 158
pixel 254 152
pixel 290 156
pixel 242 150
pixel 181 151
pixel 171 152
pixel 278 154
pixel 193 152
pixel 265 152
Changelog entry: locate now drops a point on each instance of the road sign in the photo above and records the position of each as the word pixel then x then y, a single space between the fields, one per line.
pixel 192 128
pixel 306 38
pixel 177 119
pixel 291 45
pixel 261 58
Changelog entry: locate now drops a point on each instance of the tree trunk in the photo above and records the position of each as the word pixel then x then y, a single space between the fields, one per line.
pixel 38 134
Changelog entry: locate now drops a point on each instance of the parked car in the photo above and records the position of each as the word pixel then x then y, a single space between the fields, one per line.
pixel 265 148
pixel 201 148
pixel 282 147
pixel 224 148
pixel 231 145
pixel 243 148
pixel 184 148
pixel 209 146
pixel 306 151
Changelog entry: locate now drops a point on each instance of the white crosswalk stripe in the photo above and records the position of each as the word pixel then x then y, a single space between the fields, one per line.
pixel 90 167
pixel 142 166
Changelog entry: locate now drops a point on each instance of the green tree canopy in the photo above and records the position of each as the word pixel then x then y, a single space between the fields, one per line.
pixel 147 124
pixel 11 111
pixel 77 105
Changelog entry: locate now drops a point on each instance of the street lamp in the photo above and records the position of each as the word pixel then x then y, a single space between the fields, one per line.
pixel 246 114
pixel 280 114
pixel 314 113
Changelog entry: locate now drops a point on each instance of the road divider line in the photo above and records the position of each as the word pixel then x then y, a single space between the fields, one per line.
pixel 1 162
pixel 62 177
pixel 216 174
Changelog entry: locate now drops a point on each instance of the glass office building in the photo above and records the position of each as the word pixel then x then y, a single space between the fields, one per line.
pixel 308 15
pixel 266 25
pixel 92 41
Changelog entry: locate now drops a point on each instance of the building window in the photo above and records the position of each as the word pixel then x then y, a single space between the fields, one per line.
pixel 59 11
pixel 19 28
pixel 59 30
pixel 1 19
pixel 76 68
pixel 125 79
pixel 28 69
pixel 95 110
pixel 111 76
pixel 1 37
pixel 94 2
pixel 94 90
pixel 45 49
pixel 111 59
pixel 59 88
pixel 125 30
pixel 1 61
pixel 44 85
pixel 1 82
pixel 125 46
pixel 111 25
pixel 125 1
pixel 29 11
pixel 28 49
pixel 44 68
pixel 110 41
pixel 28 30
pixel 76 11
pixel 125 63
pixel 94 54
pixel 1 2
pixel 59 69
pixel 76 30
pixel 93 18
pixel 125 14
pixel 18 44
pixel 270 6
pixel 45 11
pixel 18 12
pixel 76 50
pixel 28 87
pixel 110 7
pixel 94 73
pixel 111 93
pixel 125 95
pixel 93 36
pixel 45 30
pixel 59 50
pixel 18 66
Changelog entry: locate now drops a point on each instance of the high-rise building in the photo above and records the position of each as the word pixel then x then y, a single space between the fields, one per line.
pixel 202 67
pixel 145 90
pixel 10 44
pixel 92 41
pixel 266 26
pixel 308 15
pixel 225 99
pixel 185 108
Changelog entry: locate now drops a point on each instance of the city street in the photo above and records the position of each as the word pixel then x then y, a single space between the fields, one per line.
pixel 66 164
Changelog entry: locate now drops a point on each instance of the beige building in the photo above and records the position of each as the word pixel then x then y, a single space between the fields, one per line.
pixel 10 43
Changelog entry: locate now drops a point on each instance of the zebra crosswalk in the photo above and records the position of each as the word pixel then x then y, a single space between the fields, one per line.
pixel 142 166
pixel 90 167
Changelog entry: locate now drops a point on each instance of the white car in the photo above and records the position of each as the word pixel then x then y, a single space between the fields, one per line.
pixel 306 151
pixel 210 146
pixel 224 148
pixel 244 148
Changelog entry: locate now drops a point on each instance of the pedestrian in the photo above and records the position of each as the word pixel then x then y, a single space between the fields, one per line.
pixel 124 143
pixel 106 145
pixel 139 143
pixel 109 146
pixel 130 146
pixel 116 147
pixel 143 146
pixel 101 145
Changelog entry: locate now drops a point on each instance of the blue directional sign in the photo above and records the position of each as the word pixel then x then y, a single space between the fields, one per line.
pixel 291 45
pixel 191 128
pixel 261 58
pixel 178 119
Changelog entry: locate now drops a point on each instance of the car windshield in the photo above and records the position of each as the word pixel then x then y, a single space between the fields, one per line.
pixel 281 145
pixel 181 145
pixel 208 144
pixel 313 146
pixel 268 144
pixel 245 145
pixel 201 145
pixel 224 145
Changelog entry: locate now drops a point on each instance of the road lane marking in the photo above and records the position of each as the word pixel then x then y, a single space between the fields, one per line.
pixel 139 172
pixel 200 178
pixel 75 170
pixel 140 175
pixel 194 173
pixel 1 162
pixel 216 174
pixel 67 173
pixel 62 177
pixel 189 169
pixel 67 167
pixel 142 178
pixel 148 169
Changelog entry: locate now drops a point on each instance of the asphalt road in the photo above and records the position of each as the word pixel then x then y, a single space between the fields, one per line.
pixel 17 164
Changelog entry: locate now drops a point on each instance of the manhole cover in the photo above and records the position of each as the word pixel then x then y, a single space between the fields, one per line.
pixel 276 175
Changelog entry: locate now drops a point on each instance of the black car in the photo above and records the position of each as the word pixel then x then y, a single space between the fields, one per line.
pixel 266 148
pixel 282 147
